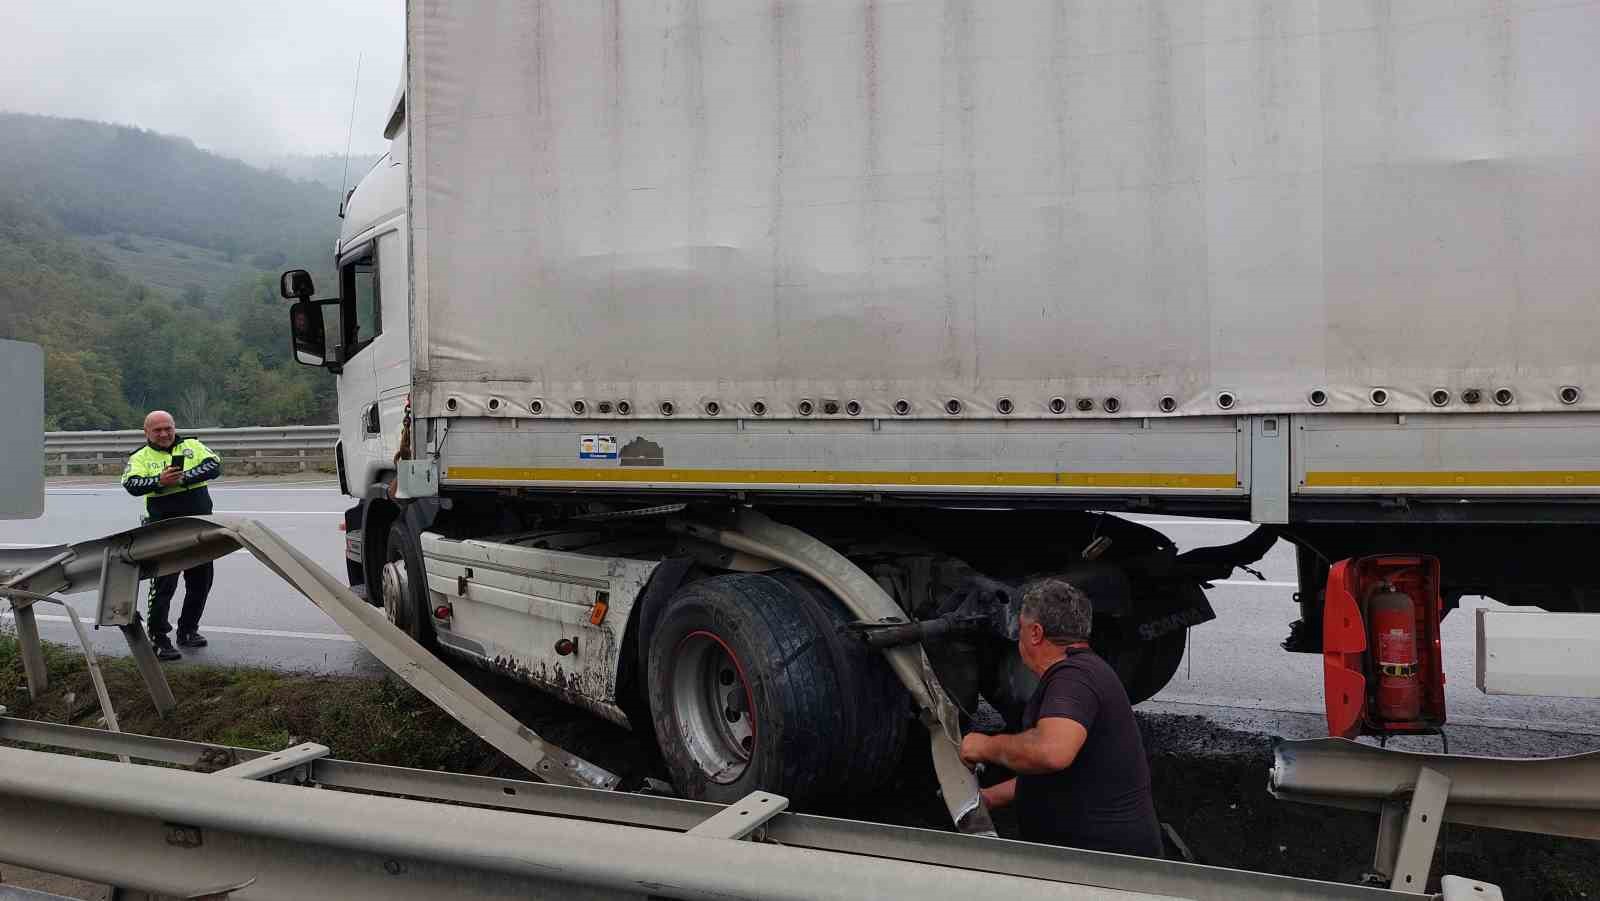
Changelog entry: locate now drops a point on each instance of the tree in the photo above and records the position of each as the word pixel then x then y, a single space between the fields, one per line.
pixel 195 407
pixel 82 392
pixel 263 322
pixel 114 346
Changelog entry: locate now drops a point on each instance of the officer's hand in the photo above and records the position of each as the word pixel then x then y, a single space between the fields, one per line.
pixel 972 748
pixel 170 476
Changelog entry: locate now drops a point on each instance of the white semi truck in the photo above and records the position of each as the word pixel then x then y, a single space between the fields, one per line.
pixel 725 367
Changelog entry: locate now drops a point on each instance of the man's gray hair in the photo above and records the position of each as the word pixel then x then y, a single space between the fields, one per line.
pixel 1060 607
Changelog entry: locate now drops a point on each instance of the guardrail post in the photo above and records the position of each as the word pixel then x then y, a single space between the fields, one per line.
pixel 1420 835
pixel 33 665
pixel 144 657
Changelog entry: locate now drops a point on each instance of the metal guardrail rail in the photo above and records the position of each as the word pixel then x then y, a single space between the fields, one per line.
pixel 164 830
pixel 301 445
pixel 114 566
pixel 220 834
pixel 1415 793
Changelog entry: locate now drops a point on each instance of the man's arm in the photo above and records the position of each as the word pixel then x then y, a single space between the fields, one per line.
pixel 138 485
pixel 1048 747
pixel 209 467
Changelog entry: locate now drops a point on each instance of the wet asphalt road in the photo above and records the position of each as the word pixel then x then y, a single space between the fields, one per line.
pixel 252 617
pixel 1235 673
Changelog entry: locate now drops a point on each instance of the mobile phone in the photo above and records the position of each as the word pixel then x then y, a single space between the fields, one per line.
pixel 177 460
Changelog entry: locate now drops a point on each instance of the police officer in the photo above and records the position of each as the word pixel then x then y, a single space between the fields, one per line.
pixel 170 472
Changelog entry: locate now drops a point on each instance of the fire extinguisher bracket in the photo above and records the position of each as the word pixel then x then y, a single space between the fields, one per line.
pixel 1383 668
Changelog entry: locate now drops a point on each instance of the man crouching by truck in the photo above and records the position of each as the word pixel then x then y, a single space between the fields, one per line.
pixel 1082 779
pixel 170 473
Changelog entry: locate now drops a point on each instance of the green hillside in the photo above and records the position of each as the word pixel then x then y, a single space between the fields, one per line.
pixel 97 179
pixel 147 268
pixel 184 272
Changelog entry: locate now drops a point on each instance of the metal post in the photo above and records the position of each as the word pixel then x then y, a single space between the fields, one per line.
pixel 737 821
pixel 1421 833
pixel 32 652
pixel 1391 824
pixel 272 765
pixel 144 656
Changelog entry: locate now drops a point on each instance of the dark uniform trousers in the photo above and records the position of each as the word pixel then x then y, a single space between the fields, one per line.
pixel 196 585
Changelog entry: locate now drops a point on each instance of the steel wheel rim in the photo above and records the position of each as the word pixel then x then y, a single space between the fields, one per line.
pixel 713 707
pixel 395 592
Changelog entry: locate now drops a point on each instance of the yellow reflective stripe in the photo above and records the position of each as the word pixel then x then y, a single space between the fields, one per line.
pixel 1446 479
pixel 845 477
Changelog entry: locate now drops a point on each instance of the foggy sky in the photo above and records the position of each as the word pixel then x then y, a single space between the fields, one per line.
pixel 245 79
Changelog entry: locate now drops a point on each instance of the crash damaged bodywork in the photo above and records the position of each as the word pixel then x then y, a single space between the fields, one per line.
pixel 551 618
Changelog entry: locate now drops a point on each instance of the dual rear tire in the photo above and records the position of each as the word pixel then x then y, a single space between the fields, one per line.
pixel 753 685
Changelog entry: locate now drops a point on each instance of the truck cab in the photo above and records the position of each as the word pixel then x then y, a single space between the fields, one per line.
pixel 366 329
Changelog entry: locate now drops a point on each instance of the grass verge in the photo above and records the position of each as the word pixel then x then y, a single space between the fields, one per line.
pixel 372 720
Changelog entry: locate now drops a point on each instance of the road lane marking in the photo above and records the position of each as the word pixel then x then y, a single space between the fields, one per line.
pixel 223 630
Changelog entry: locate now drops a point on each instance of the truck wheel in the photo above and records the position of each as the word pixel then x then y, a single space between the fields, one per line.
pixel 877 707
pixel 405 586
pixel 1145 667
pixel 743 692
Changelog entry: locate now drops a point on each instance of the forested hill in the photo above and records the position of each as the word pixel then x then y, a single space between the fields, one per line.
pixel 98 179
pixel 147 268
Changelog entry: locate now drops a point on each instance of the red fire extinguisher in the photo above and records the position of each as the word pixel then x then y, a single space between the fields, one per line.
pixel 1394 638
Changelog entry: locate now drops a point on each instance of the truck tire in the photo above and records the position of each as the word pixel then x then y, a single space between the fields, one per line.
pixel 403 588
pixel 744 694
pixel 1145 667
pixel 876 705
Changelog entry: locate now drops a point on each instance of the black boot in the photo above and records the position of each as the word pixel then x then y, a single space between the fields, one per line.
pixel 164 648
pixel 191 639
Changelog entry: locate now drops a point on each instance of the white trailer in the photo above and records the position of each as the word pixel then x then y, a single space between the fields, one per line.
pixel 677 342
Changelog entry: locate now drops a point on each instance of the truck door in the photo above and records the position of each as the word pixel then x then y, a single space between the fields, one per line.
pixel 391 351
pixel 361 322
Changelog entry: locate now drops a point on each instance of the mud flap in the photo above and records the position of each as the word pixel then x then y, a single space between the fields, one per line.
pixel 1183 608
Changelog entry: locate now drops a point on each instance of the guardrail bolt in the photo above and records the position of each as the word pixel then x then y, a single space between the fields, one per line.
pixel 183 836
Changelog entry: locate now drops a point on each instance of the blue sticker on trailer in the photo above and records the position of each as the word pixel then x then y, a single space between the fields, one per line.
pixel 597 447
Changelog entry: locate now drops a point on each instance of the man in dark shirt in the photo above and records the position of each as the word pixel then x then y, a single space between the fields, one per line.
pixel 1082 779
pixel 170 472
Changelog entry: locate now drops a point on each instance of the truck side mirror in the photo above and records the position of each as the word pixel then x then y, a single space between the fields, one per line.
pixel 296 284
pixel 308 335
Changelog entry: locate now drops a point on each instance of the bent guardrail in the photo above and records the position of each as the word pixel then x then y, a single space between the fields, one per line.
pixel 117 563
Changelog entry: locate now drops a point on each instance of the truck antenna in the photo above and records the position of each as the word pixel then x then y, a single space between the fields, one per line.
pixel 349 134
